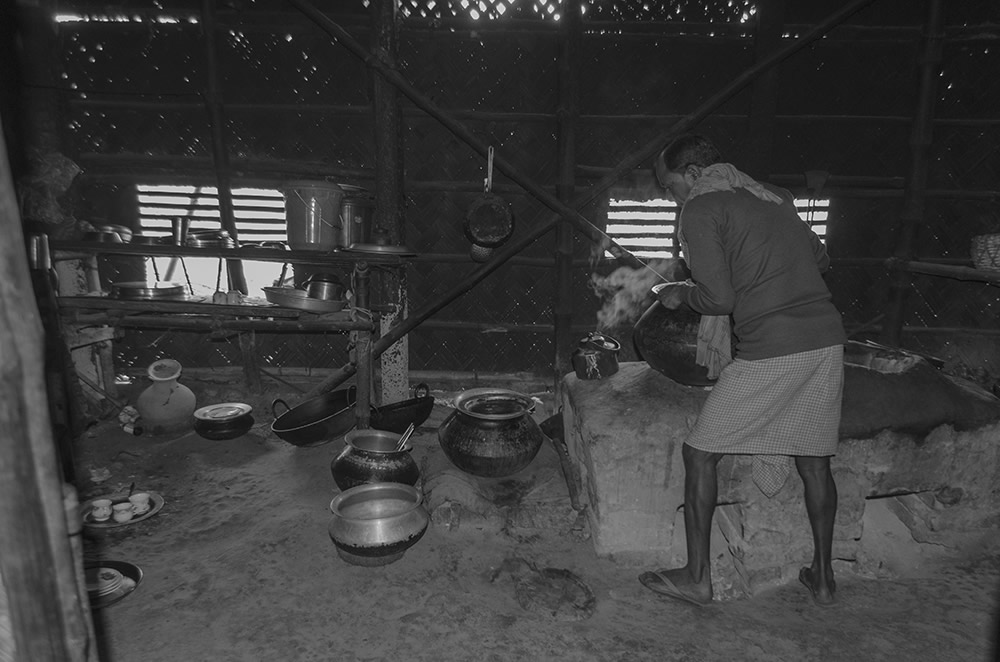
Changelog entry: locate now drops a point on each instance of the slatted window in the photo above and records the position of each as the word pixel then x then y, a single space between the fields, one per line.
pixel 259 214
pixel 648 228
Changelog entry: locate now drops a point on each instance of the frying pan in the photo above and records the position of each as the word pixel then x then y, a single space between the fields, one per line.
pixel 317 420
pixel 397 416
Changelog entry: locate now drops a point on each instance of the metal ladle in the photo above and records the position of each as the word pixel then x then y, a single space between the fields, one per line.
pixel 406 435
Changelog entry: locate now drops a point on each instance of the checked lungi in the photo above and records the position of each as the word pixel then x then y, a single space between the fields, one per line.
pixel 774 409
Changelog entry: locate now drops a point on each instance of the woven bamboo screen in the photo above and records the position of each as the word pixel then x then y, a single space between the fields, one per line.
pixel 843 106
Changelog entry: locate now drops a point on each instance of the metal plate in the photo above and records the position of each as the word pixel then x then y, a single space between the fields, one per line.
pixel 224 411
pixel 143 291
pixel 132 578
pixel 156 505
pixel 380 249
pixel 295 298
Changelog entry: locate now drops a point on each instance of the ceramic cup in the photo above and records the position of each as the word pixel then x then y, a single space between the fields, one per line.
pixel 122 512
pixel 140 502
pixel 101 510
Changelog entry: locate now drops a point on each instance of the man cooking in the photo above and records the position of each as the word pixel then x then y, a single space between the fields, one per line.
pixel 755 264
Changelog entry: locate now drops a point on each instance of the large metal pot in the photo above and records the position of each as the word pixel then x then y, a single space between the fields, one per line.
pixel 318 420
pixel 375 524
pixel 491 432
pixel 370 456
pixel 668 341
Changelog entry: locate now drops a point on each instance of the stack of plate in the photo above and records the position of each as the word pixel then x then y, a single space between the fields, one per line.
pixel 143 291
pixel 210 239
pixel 103 581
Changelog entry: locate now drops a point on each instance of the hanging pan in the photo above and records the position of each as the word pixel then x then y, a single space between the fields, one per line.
pixel 488 221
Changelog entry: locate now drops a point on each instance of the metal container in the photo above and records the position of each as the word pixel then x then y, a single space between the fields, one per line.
pixel 326 287
pixel 374 524
pixel 370 456
pixel 668 341
pixel 596 356
pixel 491 432
pixel 312 213
pixel 355 217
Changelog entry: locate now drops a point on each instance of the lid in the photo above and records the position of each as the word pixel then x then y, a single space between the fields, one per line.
pixel 224 411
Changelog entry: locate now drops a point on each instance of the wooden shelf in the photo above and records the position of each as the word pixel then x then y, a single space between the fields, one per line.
pixel 946 270
pixel 70 250
pixel 196 313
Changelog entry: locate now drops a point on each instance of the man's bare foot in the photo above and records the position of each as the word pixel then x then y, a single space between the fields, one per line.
pixel 677 583
pixel 824 593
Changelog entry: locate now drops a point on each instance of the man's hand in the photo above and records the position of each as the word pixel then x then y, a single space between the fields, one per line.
pixel 671 295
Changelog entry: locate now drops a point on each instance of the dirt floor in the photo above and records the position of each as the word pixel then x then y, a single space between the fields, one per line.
pixel 238 566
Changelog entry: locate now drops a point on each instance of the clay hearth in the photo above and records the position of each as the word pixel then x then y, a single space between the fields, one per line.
pixel 625 435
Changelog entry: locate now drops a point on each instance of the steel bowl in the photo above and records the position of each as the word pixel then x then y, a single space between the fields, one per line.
pixel 374 524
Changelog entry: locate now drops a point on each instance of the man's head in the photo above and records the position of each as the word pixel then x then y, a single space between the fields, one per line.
pixel 681 162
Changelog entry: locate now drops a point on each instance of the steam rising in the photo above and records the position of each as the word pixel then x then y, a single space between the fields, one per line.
pixel 626 291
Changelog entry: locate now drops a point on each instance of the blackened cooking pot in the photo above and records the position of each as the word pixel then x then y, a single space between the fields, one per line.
pixel 397 416
pixel 227 420
pixel 371 456
pixel 491 432
pixel 317 420
pixel 668 341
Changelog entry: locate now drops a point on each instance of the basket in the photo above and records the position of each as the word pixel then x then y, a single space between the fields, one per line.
pixel 986 251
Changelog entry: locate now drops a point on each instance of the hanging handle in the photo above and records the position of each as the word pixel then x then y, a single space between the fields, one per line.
pixel 488 182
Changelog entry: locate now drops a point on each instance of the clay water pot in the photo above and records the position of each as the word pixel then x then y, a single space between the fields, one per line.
pixel 370 456
pixel 491 432
pixel 167 405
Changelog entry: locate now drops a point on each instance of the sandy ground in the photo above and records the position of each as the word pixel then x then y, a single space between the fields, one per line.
pixel 238 566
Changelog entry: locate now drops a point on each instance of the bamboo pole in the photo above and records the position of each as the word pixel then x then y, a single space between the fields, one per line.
pixel 921 138
pixel 219 152
pixel 567 114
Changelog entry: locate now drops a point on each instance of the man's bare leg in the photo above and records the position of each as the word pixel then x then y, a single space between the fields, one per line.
pixel 700 495
pixel 821 506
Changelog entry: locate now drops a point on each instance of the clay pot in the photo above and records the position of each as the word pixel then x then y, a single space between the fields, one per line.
pixel 166 406
pixel 370 456
pixel 491 432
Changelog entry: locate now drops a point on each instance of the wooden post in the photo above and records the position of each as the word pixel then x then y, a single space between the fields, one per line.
pixel 921 137
pixel 567 115
pixel 48 620
pixel 389 195
pixel 213 99
pixel 363 345
pixel 251 370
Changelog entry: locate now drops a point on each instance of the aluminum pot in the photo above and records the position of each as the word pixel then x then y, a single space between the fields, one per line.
pixel 317 420
pixel 227 420
pixel 491 432
pixel 370 456
pixel 324 286
pixel 375 524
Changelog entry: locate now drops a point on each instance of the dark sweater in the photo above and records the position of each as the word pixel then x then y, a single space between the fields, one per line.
pixel 760 263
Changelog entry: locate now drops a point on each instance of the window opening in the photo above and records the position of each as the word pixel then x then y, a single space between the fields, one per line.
pixel 648 228
pixel 259 214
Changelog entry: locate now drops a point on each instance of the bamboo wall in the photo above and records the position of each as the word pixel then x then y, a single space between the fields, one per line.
pixel 298 104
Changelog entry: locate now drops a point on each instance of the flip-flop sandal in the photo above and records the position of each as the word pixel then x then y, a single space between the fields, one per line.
pixel 805 578
pixel 658 582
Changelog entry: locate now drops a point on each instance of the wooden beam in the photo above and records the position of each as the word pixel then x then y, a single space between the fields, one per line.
pixel 921 137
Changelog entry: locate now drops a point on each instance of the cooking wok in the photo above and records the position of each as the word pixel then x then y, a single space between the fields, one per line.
pixel 317 420
pixel 397 416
